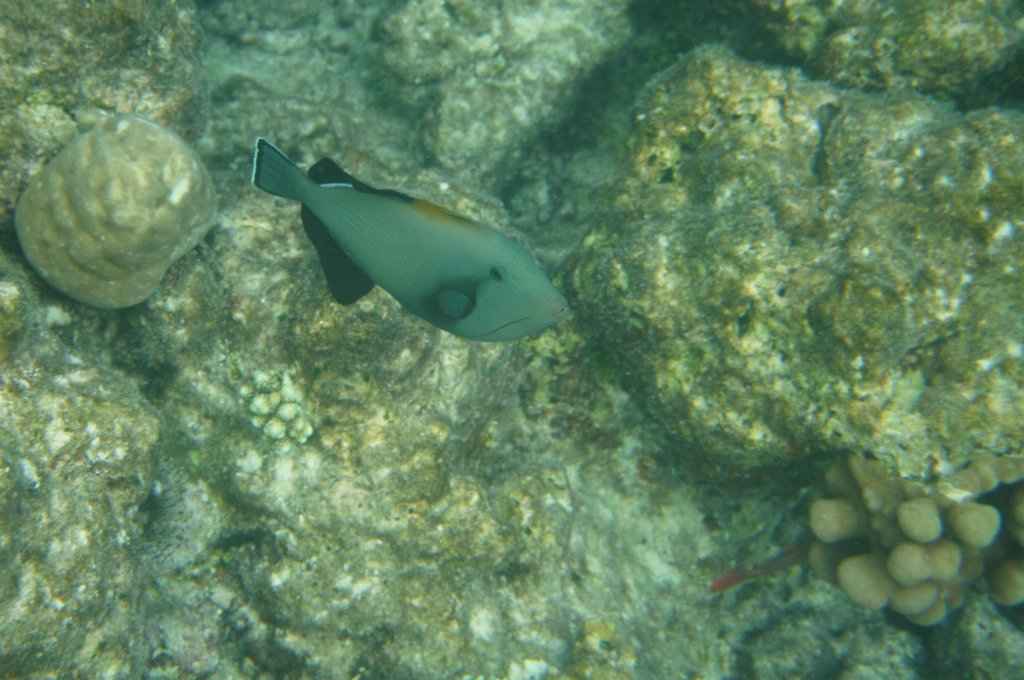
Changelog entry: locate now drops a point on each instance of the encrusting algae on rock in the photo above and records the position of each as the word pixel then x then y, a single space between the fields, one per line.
pixel 809 269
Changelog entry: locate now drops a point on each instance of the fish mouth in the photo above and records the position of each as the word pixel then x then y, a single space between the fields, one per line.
pixel 502 326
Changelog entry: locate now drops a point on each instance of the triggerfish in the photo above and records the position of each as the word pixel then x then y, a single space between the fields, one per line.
pixel 462 276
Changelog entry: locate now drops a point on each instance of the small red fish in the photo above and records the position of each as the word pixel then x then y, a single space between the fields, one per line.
pixel 788 557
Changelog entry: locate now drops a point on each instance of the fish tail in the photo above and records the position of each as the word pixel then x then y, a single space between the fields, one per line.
pixel 274 172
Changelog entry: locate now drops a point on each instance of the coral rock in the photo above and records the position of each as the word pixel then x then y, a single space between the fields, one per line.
pixel 915 554
pixel 114 210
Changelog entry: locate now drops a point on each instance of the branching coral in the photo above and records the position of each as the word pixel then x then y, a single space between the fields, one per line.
pixel 913 546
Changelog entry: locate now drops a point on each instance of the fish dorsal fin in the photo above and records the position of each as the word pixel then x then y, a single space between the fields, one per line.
pixel 326 171
pixel 454 303
pixel 346 281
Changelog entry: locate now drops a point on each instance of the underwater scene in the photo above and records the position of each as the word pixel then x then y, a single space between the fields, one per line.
pixel 517 339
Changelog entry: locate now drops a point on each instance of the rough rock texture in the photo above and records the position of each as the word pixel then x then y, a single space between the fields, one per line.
pixel 982 641
pixel 952 49
pixel 969 51
pixel 808 269
pixel 120 55
pixel 495 74
pixel 77 452
pixel 301 76
pixel 16 302
pixel 426 516
pixel 774 30
pixel 812 635
pixel 104 220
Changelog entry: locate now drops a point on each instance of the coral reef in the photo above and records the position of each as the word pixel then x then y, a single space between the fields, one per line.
pixel 77 447
pixel 810 269
pixel 981 642
pixel 15 304
pixel 968 51
pixel 239 478
pixel 276 406
pixel 914 547
pixel 120 204
pixel 495 72
pixel 122 55
pixel 946 48
pixel 318 64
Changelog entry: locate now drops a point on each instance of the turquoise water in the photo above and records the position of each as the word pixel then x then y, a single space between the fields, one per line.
pixel 789 236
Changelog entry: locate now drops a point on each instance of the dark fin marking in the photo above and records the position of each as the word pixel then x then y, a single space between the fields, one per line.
pixel 454 303
pixel 326 171
pixel 346 281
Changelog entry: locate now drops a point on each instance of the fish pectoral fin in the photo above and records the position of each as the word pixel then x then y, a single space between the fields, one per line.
pixel 454 303
pixel 346 281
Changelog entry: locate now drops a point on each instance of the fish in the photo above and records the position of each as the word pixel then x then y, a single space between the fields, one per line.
pixel 462 276
pixel 789 556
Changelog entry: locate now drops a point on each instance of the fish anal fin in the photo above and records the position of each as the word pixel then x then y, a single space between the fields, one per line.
pixel 346 281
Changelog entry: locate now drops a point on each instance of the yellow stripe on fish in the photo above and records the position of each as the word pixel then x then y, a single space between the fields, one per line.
pixel 437 212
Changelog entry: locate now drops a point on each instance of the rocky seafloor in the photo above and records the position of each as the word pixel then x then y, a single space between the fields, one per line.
pixel 789 232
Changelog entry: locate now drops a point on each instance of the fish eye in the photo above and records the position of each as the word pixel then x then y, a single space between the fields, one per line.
pixel 497 274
